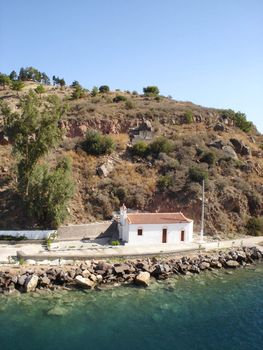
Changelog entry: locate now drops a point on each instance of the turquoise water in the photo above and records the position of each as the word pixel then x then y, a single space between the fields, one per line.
pixel 201 312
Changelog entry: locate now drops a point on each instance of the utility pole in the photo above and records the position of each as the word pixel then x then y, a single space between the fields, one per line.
pixel 203 214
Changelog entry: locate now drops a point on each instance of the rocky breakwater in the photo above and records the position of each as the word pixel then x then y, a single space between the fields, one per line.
pixel 98 274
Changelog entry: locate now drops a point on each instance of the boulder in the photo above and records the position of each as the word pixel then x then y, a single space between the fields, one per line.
pixel 21 280
pixel 84 282
pixel 45 281
pixel 204 265
pixel 219 127
pixel 240 147
pixel 232 263
pixel 121 268
pixel 105 169
pixel 229 153
pixel 219 144
pixel 143 279
pixel 4 140
pixel 31 283
pixel 57 311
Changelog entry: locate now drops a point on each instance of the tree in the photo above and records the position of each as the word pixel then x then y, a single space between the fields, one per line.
pixel 75 83
pixel 22 74
pixel 94 91
pixel 13 75
pixel 104 89
pixel 45 79
pixel 17 85
pixel 4 80
pixel 98 144
pixel 30 73
pixel 151 91
pixel 78 92
pixel 58 81
pixel 50 192
pixel 33 132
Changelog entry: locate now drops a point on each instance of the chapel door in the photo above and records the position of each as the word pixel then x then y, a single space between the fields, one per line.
pixel 182 236
pixel 164 238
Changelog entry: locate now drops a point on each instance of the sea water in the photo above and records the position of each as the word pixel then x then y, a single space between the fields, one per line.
pixel 210 311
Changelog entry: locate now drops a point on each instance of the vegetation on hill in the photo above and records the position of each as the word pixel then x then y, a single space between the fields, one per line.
pixel 187 143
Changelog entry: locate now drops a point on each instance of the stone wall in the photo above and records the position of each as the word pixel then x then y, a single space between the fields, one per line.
pixel 92 231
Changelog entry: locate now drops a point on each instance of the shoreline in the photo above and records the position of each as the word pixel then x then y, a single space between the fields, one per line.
pixel 96 274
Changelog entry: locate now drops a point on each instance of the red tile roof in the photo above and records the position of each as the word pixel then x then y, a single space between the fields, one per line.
pixel 156 218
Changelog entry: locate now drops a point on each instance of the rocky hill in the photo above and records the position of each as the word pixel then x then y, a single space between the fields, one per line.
pixel 204 141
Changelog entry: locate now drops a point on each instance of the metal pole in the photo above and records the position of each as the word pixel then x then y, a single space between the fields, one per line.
pixel 203 214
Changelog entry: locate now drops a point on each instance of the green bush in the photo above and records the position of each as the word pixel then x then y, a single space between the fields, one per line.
pixel 104 89
pixel 240 119
pixel 78 92
pixel 209 158
pixel 139 149
pixel 17 85
pixel 160 145
pixel 164 182
pixel 129 104
pixel 40 89
pixel 254 226
pixel 188 117
pixel 94 91
pixel 115 243
pixel 197 174
pixel 119 98
pixel 12 238
pixel 151 91
pixel 98 144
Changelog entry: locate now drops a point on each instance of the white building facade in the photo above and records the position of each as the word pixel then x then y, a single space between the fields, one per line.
pixel 154 228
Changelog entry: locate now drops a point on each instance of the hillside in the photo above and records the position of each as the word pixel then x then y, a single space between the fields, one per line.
pixel 209 142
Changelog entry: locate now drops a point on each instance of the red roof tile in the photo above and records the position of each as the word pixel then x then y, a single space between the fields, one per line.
pixel 156 218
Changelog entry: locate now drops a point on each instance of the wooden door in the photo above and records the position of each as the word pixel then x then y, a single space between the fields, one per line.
pixel 182 236
pixel 164 238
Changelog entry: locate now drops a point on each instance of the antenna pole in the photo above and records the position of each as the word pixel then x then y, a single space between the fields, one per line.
pixel 203 214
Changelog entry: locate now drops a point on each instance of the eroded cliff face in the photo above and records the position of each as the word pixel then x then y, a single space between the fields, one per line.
pixel 234 189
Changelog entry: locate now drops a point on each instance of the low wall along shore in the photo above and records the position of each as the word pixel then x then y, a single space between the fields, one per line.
pixel 33 234
pixel 96 274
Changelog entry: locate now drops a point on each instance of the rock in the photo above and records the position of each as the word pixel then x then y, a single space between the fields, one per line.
pixel 219 127
pixel 216 264
pixel 105 169
pixel 45 281
pixel 240 147
pixel 4 140
pixel 219 144
pixel 229 153
pixel 31 262
pixel 21 280
pixel 84 282
pixel 241 256
pixel 57 311
pixel 121 268
pixel 143 279
pixel 204 265
pixel 31 283
pixel 232 263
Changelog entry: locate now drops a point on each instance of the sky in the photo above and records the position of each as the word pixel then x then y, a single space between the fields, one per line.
pixel 209 52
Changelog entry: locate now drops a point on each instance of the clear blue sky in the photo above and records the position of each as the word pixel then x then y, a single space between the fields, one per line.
pixel 206 51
